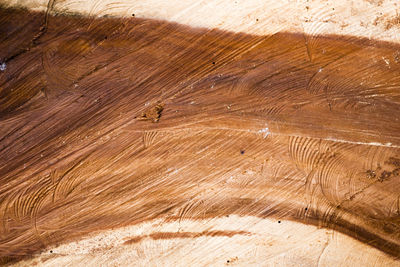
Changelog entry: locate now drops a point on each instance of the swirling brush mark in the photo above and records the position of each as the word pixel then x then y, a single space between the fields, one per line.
pixel 149 138
pixel 28 203
pixel 305 152
pixel 321 163
pixel 68 181
pixel 35 40
pixel 64 59
pixel 314 25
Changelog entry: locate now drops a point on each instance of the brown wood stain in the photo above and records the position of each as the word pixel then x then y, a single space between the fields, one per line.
pixel 315 119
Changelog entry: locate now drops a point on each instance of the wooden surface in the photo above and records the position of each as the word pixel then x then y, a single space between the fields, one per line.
pixel 155 143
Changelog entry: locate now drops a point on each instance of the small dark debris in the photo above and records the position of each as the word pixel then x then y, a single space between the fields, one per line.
pixel 133 15
pixel 242 151
pixel 306 209
pixel 393 161
pixel 213 63
pixel 395 21
pixel 384 175
pixel 232 260
pixel 371 174
pixel 51 251
pixel 256 19
pixel 279 221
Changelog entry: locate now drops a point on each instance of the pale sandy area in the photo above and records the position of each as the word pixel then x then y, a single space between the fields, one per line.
pixel 266 242
pixel 376 19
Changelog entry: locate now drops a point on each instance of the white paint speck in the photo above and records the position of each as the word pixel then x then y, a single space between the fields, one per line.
pixel 387 61
pixel 265 132
pixel 3 66
pixel 363 143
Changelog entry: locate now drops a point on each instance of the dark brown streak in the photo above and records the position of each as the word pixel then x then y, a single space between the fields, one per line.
pixel 173 235
pixel 37 36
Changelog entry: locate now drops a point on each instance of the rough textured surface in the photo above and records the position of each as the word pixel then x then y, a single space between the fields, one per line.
pixel 377 19
pixel 215 242
pixel 277 132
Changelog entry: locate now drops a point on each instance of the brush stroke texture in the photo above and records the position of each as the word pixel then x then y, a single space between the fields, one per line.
pixel 267 126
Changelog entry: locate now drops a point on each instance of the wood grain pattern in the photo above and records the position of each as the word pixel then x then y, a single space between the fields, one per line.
pixel 269 126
